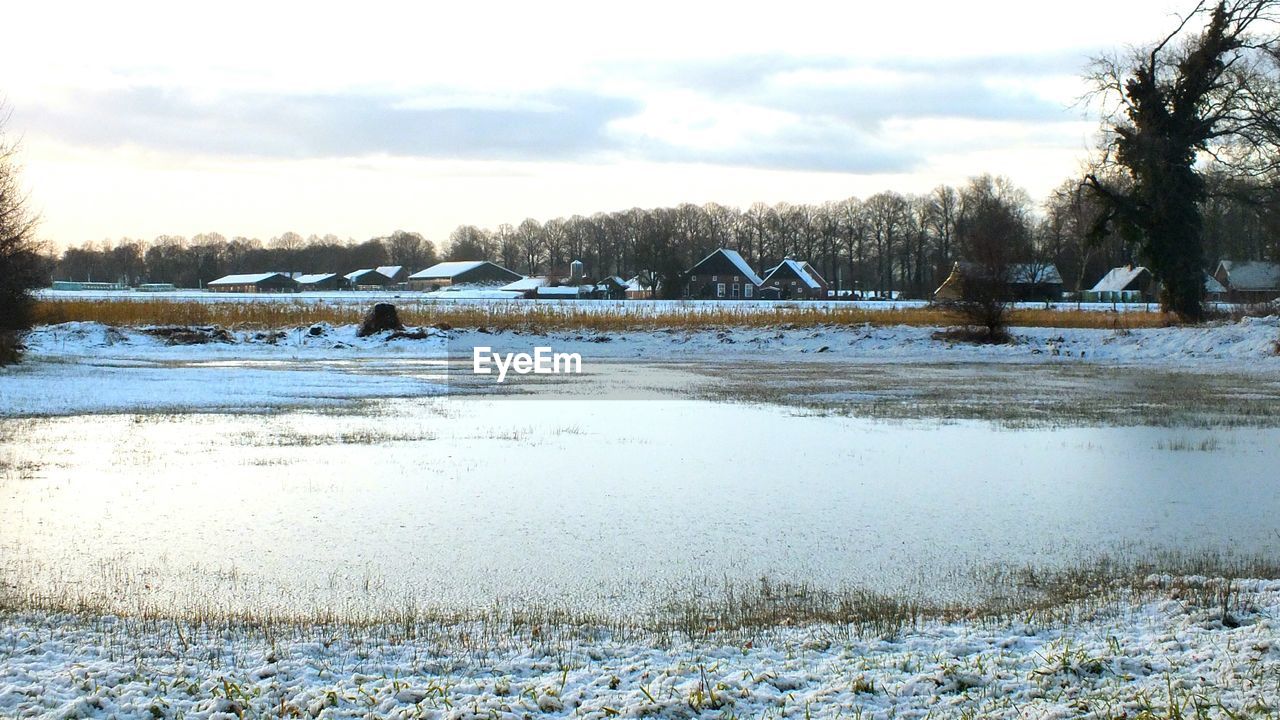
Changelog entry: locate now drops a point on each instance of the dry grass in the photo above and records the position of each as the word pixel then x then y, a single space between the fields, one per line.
pixel 735 610
pixel 546 317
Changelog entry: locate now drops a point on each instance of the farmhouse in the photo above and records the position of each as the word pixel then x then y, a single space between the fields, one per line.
pixel 1027 282
pixel 254 283
pixel 722 275
pixel 322 281
pixel 1249 281
pixel 367 278
pixel 1125 284
pixel 471 272
pixel 795 279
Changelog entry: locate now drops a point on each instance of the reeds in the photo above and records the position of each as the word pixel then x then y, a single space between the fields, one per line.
pixel 527 316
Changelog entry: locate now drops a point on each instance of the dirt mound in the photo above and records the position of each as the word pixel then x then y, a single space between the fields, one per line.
pixel 180 335
pixel 381 317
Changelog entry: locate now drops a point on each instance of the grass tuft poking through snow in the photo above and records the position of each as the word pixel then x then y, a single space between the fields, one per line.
pixel 1094 644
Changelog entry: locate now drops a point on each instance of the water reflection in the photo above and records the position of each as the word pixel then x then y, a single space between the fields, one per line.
pixel 600 505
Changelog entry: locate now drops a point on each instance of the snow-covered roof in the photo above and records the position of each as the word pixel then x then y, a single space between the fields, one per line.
pixel 526 284
pixel 472 292
pixel 738 262
pixel 447 269
pixel 315 278
pixel 1118 279
pixel 389 270
pixel 249 279
pixel 801 271
pixel 1212 286
pixel 562 291
pixel 1252 274
pixel 364 271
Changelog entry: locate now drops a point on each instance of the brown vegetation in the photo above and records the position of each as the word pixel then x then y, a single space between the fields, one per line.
pixel 543 317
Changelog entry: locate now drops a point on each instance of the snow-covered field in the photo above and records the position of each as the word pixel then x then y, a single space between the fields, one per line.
pixel 1170 653
pixel 89 367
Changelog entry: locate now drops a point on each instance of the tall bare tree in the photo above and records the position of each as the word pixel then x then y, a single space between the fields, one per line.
pixel 1204 96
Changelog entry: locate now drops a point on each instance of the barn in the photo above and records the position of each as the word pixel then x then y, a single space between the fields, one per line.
pixel 322 281
pixel 795 280
pixel 722 275
pixel 1249 281
pixel 469 272
pixel 398 274
pixel 367 279
pixel 254 283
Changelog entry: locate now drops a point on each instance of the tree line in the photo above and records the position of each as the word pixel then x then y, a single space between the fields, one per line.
pixel 886 243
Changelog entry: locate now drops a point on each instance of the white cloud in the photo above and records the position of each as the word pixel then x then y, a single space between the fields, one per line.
pixel 264 116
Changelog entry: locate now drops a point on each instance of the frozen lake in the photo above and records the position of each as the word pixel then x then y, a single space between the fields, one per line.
pixel 608 505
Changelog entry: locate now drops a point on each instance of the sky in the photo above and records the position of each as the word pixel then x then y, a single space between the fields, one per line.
pixel 247 118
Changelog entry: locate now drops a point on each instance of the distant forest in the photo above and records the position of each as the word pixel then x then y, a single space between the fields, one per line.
pixel 886 242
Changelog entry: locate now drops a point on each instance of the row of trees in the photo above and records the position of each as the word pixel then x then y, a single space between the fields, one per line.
pixel 192 262
pixel 1189 171
pixel 887 242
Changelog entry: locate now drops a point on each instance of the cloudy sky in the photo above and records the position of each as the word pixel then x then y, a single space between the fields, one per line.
pixel 139 119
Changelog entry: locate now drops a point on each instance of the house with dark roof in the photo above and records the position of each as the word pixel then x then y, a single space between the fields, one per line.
pixel 463 272
pixel 794 280
pixel 253 283
pixel 611 288
pixel 1249 281
pixel 722 275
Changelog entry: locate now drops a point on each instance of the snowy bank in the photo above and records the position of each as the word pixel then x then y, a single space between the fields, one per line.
pixel 1247 344
pixel 88 367
pixel 1173 649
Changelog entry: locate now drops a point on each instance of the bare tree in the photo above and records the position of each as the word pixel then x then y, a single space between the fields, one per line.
pixel 1205 96
pixel 21 268
pixel 993 235
pixel 410 249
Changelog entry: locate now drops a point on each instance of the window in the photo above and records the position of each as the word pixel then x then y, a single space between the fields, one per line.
pixel 736 291
pixel 714 278
pixel 746 290
pixel 719 290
